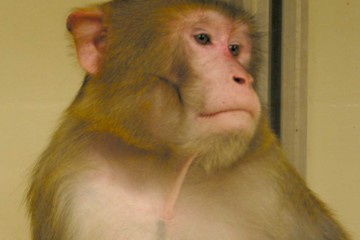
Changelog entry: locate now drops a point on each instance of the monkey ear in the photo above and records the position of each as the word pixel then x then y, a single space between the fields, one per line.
pixel 88 30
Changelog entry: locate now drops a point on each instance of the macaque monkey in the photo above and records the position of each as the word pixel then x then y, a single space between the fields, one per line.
pixel 167 139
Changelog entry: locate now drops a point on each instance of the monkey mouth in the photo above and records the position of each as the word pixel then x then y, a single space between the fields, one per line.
pixel 217 113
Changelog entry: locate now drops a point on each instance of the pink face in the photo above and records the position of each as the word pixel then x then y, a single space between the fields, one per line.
pixel 220 54
pixel 216 98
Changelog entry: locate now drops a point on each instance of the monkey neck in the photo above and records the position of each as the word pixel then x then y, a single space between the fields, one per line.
pixel 173 195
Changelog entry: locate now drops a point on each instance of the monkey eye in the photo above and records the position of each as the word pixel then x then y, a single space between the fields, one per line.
pixel 234 49
pixel 202 39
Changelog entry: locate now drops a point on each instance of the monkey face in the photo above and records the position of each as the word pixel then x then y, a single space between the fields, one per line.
pixel 209 106
pixel 217 96
pixel 176 78
pixel 220 53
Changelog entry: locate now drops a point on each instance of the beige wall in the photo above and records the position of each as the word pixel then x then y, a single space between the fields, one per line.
pixel 39 76
pixel 334 107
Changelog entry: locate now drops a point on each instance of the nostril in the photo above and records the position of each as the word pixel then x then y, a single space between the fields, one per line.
pixel 239 80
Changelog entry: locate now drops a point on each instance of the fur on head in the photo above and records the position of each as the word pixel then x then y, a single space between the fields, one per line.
pixel 146 83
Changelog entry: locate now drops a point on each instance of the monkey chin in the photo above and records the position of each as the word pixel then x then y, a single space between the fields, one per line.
pixel 222 150
pixel 224 139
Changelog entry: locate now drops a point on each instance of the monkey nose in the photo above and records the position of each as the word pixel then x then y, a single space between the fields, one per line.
pixel 243 79
pixel 239 80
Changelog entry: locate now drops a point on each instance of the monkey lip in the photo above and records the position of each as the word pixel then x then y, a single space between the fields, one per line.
pixel 214 114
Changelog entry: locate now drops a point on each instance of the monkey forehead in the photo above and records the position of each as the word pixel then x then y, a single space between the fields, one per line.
pixel 203 13
pixel 165 17
pixel 230 10
pixel 210 18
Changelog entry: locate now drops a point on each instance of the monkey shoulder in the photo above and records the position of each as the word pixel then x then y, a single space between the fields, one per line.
pixel 289 209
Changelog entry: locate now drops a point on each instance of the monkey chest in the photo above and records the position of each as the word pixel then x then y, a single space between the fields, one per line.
pixel 112 210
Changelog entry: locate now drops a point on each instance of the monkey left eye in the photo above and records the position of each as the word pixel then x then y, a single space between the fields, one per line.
pixel 234 49
pixel 202 39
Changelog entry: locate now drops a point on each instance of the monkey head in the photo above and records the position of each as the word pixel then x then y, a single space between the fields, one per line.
pixel 170 76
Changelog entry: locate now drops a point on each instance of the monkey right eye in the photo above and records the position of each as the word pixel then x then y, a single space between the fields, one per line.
pixel 202 39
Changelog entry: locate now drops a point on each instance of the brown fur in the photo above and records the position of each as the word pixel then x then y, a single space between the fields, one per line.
pixel 115 164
